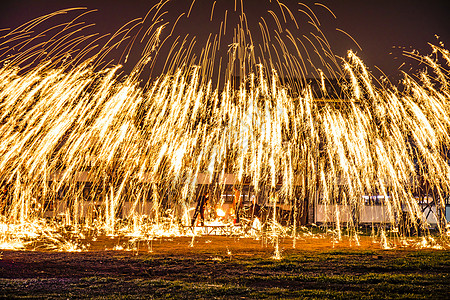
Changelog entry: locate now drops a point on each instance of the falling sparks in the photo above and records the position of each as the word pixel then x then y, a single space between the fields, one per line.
pixel 84 147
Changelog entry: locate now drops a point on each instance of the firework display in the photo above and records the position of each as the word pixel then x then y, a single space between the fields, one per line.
pixel 237 138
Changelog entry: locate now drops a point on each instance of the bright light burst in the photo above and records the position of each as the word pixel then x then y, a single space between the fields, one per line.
pixel 89 148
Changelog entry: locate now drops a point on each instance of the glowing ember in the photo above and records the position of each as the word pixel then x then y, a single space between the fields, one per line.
pixel 220 212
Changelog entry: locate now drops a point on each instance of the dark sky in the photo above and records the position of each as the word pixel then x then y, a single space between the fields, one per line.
pixel 377 26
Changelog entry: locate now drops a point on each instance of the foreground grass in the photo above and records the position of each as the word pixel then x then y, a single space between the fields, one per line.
pixel 311 275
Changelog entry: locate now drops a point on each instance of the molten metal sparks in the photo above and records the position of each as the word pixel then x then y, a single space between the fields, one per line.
pixel 101 153
pixel 220 213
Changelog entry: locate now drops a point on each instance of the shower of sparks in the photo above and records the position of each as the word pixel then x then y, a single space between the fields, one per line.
pixel 68 120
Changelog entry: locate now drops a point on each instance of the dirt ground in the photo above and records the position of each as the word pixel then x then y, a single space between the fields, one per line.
pixel 225 267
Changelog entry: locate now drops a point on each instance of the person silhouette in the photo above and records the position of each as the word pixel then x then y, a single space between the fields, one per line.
pixel 200 209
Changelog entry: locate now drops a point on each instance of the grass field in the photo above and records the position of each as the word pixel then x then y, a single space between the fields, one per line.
pixel 220 267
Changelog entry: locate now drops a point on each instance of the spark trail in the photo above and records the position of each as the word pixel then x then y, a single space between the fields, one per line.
pixel 69 122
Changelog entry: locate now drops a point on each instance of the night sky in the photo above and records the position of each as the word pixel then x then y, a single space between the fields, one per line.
pixel 383 29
